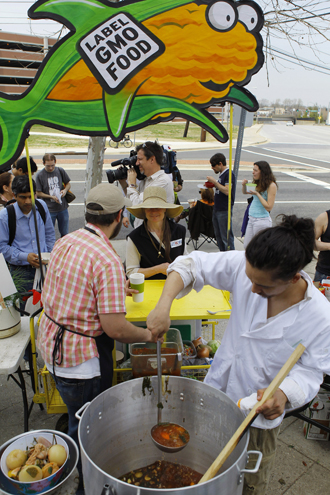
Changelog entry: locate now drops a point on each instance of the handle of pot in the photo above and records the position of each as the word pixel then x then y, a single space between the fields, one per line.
pixel 81 410
pixel 257 466
pixel 108 490
pixel 269 392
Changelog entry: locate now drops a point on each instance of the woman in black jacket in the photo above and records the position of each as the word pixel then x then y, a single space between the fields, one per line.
pixel 158 241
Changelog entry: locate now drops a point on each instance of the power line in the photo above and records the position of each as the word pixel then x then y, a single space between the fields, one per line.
pixel 290 55
pixel 298 19
pixel 299 64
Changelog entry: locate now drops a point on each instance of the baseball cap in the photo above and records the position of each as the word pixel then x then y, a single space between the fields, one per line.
pixel 109 197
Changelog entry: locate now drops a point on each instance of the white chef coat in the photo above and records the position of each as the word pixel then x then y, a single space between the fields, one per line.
pixel 158 179
pixel 254 347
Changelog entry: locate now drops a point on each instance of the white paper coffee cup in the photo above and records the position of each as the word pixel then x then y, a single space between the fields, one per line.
pixel 45 257
pixel 137 282
pixel 251 187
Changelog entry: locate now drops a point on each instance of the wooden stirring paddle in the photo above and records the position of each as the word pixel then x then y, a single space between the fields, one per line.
pixel 269 392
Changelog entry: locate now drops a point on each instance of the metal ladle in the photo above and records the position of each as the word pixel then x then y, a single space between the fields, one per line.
pixel 160 407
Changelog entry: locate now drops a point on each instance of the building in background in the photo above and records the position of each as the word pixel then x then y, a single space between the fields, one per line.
pixel 20 58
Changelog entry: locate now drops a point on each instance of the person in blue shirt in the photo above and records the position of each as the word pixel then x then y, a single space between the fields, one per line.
pixel 23 252
pixel 220 209
pixel 263 199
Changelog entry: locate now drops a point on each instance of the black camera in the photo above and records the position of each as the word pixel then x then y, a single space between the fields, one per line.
pixel 121 172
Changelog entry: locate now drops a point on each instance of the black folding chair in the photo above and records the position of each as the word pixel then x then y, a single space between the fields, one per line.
pixel 200 225
pixel 298 412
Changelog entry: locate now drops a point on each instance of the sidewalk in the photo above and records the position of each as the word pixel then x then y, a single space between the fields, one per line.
pixel 252 136
pixel 302 466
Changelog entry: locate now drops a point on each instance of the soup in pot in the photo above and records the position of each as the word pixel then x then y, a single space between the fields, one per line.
pixel 162 474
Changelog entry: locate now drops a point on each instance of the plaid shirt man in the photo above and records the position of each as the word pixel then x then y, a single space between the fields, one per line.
pixel 85 278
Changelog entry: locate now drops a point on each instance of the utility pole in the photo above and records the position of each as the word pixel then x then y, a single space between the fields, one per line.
pixel 94 165
pixel 327 122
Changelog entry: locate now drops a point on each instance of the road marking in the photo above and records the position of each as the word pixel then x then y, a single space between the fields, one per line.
pixel 290 154
pixel 287 160
pixel 305 178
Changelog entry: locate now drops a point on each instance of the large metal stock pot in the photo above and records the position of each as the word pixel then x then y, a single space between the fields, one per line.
pixel 114 436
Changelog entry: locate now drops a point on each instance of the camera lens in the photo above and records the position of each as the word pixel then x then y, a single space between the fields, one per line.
pixel 113 175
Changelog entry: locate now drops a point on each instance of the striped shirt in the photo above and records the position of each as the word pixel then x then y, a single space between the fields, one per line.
pixel 85 278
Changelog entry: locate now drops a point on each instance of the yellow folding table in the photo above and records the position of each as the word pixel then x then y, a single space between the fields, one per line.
pixel 193 306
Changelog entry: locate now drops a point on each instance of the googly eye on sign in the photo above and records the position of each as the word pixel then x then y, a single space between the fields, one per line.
pixel 117 49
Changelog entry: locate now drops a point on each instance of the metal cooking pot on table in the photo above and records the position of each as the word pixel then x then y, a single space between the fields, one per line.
pixel 114 436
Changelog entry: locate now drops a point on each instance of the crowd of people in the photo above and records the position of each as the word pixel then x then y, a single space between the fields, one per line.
pixel 275 303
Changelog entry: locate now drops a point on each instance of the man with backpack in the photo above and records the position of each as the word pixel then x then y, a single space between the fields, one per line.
pixel 52 185
pixel 18 242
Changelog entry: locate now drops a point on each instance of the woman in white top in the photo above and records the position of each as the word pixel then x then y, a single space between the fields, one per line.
pixel 158 241
pixel 263 199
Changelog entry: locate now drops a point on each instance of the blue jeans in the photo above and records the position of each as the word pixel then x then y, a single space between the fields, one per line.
pixel 62 221
pixel 75 393
pixel 220 225
pixel 318 277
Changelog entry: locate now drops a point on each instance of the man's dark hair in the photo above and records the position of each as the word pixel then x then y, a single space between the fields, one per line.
pixel 21 184
pixel 48 157
pixel 217 158
pixel 150 149
pixel 284 249
pixel 22 163
pixel 104 220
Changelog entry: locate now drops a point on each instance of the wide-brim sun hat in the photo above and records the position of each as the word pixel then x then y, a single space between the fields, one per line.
pixel 155 197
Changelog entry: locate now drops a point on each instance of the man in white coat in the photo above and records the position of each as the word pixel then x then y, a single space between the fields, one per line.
pixel 275 307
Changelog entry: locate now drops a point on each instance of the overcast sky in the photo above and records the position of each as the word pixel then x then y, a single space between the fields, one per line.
pixel 287 81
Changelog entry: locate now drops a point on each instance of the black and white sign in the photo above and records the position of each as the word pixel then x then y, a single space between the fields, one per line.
pixel 117 49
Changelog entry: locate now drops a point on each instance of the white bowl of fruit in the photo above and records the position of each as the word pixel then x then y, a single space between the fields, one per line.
pixel 34 464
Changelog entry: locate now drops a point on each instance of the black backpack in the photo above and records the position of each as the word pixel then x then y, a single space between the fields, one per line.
pixel 12 219
pixel 169 161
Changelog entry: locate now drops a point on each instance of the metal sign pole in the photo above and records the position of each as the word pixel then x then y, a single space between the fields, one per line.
pixel 239 143
pixel 34 211
pixel 230 173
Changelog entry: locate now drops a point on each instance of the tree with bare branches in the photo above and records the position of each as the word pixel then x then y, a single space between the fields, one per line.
pixel 303 24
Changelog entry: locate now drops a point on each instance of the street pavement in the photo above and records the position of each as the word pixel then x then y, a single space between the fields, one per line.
pixel 302 466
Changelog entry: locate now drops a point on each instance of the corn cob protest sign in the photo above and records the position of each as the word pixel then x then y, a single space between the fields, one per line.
pixel 127 65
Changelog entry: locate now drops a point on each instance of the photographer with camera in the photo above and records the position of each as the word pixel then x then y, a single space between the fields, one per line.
pixel 149 158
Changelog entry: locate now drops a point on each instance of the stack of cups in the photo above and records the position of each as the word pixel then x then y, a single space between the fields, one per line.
pixel 137 283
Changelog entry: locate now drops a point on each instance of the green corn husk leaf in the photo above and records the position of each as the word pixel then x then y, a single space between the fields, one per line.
pixel 152 107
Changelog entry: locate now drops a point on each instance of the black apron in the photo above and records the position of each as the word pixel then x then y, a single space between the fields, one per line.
pixel 104 344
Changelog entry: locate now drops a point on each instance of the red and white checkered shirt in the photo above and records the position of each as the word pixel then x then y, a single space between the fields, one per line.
pixel 85 278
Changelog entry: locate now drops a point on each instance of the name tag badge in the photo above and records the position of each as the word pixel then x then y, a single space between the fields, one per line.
pixel 176 243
